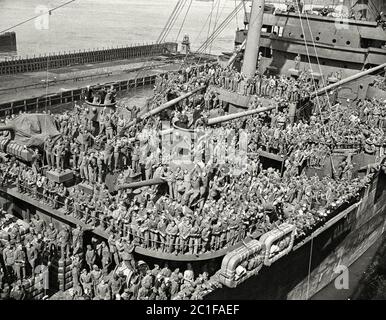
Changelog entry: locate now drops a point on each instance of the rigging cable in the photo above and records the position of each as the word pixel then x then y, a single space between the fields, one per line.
pixel 311 71
pixel 183 21
pixel 210 20
pixel 198 36
pixel 215 23
pixel 221 27
pixel 37 16
pixel 168 22
pixel 318 61
pixel 181 7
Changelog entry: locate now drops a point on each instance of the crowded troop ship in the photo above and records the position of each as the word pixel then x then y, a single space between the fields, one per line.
pixel 222 177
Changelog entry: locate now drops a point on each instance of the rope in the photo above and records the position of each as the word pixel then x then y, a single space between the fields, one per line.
pixel 174 19
pixel 215 23
pixel 183 21
pixel 218 31
pixel 312 76
pixel 210 21
pixel 317 59
pixel 37 16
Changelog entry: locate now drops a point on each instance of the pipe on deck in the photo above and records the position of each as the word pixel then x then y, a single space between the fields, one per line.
pixel 234 116
pixel 140 184
pixel 170 103
pixel 346 80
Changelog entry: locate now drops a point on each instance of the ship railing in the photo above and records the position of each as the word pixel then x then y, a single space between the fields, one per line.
pixel 145 238
pixel 148 238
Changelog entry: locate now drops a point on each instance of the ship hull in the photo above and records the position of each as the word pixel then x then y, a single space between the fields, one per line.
pixel 312 268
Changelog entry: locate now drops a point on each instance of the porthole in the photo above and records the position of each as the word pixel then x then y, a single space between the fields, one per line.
pixel 317 38
pixel 333 40
pixel 348 42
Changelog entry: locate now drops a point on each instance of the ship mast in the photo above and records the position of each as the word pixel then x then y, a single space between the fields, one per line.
pixel 253 38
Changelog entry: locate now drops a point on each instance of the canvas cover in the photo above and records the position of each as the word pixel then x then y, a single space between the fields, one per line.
pixel 32 130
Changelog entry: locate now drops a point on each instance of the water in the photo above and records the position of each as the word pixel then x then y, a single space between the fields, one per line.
pixel 89 24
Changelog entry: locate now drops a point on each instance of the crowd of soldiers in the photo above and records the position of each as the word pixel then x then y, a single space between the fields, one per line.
pixel 206 208
pixel 279 88
pixel 104 270
pixel 24 255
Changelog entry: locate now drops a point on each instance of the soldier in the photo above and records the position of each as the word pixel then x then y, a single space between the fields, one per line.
pixel 9 261
pixel 62 194
pixel 193 238
pixel 103 290
pixel 171 234
pixel 86 281
pixel 50 237
pixel 75 270
pixel 162 227
pixel 96 276
pixel 100 165
pixel 83 166
pixel 105 255
pixel 298 60
pixel 90 257
pixel 20 260
pixel 75 151
pixel 32 255
pixel 135 158
pixel 175 280
pixel 109 127
pixel 184 230
pixel 17 292
pixel 108 155
pixel 64 242
pixel 92 169
pixel 116 285
pixel 77 239
pixel 149 167
pixel 48 145
pixel 205 235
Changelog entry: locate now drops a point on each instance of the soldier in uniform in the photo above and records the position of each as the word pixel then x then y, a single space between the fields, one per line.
pixel 9 261
pixel 32 256
pixel 135 158
pixel 90 257
pixel 171 234
pixel 20 259
pixel 96 276
pixel 64 242
pixel 108 155
pixel 184 230
pixel 298 60
pixel 193 238
pixel 38 224
pixel 86 281
pixel 205 235
pixel 77 239
pixel 162 227
pixel 103 290
pixel 116 285
pixel 48 145
pixel 50 237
